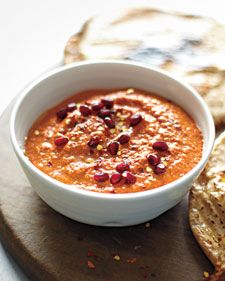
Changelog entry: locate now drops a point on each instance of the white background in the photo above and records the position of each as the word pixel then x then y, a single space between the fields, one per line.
pixel 32 38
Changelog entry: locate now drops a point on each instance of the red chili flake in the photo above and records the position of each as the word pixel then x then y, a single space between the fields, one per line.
pixel 144 271
pixel 135 119
pixel 108 103
pixel 160 169
pixel 160 145
pixel 90 265
pixel 101 177
pixel 49 164
pixel 71 106
pixel 133 260
pixel 74 120
pixel 93 142
pixel 129 177
pixel 122 167
pixel 109 122
pixel 90 254
pixel 123 138
pixel 80 238
pixel 104 113
pixel 115 178
pixel 61 141
pixel 113 147
pixel 153 159
pixel 97 105
pixel 85 110
pixel 62 113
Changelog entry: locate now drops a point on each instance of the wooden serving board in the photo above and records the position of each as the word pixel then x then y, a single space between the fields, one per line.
pixel 51 247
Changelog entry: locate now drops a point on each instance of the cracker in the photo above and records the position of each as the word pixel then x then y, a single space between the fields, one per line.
pixel 207 207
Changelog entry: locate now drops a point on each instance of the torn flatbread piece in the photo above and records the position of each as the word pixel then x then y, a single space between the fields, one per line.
pixel 188 46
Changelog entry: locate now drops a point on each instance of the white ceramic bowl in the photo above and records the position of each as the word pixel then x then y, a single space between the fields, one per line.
pixel 91 207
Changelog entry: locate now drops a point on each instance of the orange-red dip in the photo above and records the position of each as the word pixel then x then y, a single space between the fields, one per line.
pixel 73 144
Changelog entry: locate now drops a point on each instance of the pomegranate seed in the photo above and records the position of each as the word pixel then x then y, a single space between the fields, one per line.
pixel 104 113
pixel 93 142
pixel 153 159
pixel 109 122
pixel 115 178
pixel 129 177
pixel 61 141
pixel 135 119
pixel 160 169
pixel 122 167
pixel 62 113
pixel 123 138
pixel 108 103
pixel 85 110
pixel 101 177
pixel 97 105
pixel 71 106
pixel 160 145
pixel 113 147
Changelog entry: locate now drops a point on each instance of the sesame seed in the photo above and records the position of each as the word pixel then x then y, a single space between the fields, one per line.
pixel 90 160
pixel 99 147
pixel 119 153
pixel 116 258
pixel 68 121
pixel 37 133
pixel 122 118
pixel 59 134
pixel 112 131
pixel 118 114
pixel 148 169
pixel 130 91
pixel 46 145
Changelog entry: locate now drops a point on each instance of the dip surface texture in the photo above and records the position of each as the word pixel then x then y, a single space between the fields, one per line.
pixel 115 141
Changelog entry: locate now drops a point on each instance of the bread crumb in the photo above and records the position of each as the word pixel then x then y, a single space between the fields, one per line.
pixel 116 258
pixel 206 274
pixel 147 225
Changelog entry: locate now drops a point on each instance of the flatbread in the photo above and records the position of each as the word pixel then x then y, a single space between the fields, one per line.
pixel 207 207
pixel 188 46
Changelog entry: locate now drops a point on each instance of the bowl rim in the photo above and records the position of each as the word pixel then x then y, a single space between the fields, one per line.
pixel 92 194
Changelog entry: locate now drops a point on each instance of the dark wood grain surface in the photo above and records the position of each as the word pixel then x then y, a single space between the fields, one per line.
pixel 51 247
